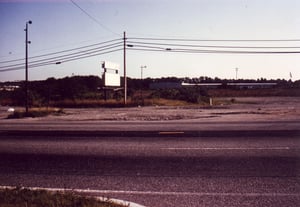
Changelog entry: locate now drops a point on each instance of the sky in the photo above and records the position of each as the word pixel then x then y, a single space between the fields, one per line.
pixel 59 25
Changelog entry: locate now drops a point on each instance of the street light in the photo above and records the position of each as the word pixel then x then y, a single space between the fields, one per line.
pixel 142 67
pixel 26 65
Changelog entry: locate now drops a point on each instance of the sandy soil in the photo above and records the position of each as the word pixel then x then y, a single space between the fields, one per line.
pixel 255 108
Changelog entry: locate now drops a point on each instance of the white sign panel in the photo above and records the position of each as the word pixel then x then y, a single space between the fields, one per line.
pixel 110 65
pixel 111 79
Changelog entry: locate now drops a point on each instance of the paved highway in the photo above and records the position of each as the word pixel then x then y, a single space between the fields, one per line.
pixel 182 168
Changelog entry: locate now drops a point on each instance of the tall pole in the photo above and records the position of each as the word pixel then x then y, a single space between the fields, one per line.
pixel 236 73
pixel 124 65
pixel 26 66
pixel 142 67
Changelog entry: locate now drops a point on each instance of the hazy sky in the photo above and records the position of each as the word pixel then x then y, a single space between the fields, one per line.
pixel 61 25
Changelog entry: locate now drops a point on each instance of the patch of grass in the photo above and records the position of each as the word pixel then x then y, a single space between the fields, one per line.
pixel 35 112
pixel 91 103
pixel 119 103
pixel 229 101
pixel 164 102
pixel 22 197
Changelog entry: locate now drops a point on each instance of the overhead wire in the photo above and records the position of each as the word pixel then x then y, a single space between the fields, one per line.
pixel 215 40
pixel 66 60
pixel 153 49
pixel 176 45
pixel 94 19
pixel 70 55
pixel 151 45
pixel 63 51
pixel 212 46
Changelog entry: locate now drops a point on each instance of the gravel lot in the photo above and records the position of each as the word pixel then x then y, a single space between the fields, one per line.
pixel 246 109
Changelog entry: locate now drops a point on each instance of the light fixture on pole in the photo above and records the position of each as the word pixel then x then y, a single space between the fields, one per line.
pixel 26 65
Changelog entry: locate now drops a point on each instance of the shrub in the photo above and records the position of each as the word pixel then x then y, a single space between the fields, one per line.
pixel 189 94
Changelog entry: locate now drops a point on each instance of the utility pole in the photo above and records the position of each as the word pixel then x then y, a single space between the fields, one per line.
pixel 124 65
pixel 236 73
pixel 26 66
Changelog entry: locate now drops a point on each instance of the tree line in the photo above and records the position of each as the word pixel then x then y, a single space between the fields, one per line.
pixel 47 92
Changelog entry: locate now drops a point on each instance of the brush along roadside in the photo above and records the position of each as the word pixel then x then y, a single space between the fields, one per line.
pixel 35 112
pixel 20 197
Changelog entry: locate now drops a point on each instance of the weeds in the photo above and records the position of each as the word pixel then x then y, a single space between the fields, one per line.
pixel 22 197
pixel 35 112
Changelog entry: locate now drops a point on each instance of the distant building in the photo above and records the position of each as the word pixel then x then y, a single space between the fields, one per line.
pixel 243 85
pixel 204 85
pixel 9 87
pixel 165 85
pixel 250 85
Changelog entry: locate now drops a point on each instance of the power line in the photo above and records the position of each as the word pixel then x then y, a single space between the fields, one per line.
pixel 216 40
pixel 94 19
pixel 156 45
pixel 157 49
pixel 66 60
pixel 63 51
pixel 60 58
pixel 212 46
pixel 179 46
pixel 66 55
pixel 148 44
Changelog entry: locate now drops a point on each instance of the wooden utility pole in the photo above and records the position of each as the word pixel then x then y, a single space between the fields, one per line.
pixel 26 66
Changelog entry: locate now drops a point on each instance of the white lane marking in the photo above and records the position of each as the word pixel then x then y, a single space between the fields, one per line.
pixel 166 193
pixel 226 148
pixel 170 132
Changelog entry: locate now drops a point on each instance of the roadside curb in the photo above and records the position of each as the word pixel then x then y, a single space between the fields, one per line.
pixel 116 201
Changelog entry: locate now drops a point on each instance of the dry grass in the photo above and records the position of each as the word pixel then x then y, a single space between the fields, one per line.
pixel 164 102
pixel 22 197
pixel 35 112
pixel 118 103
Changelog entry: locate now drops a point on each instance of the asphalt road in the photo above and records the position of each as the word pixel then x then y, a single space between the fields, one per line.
pixel 182 168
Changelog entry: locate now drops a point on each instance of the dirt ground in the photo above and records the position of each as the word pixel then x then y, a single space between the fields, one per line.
pixel 247 109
